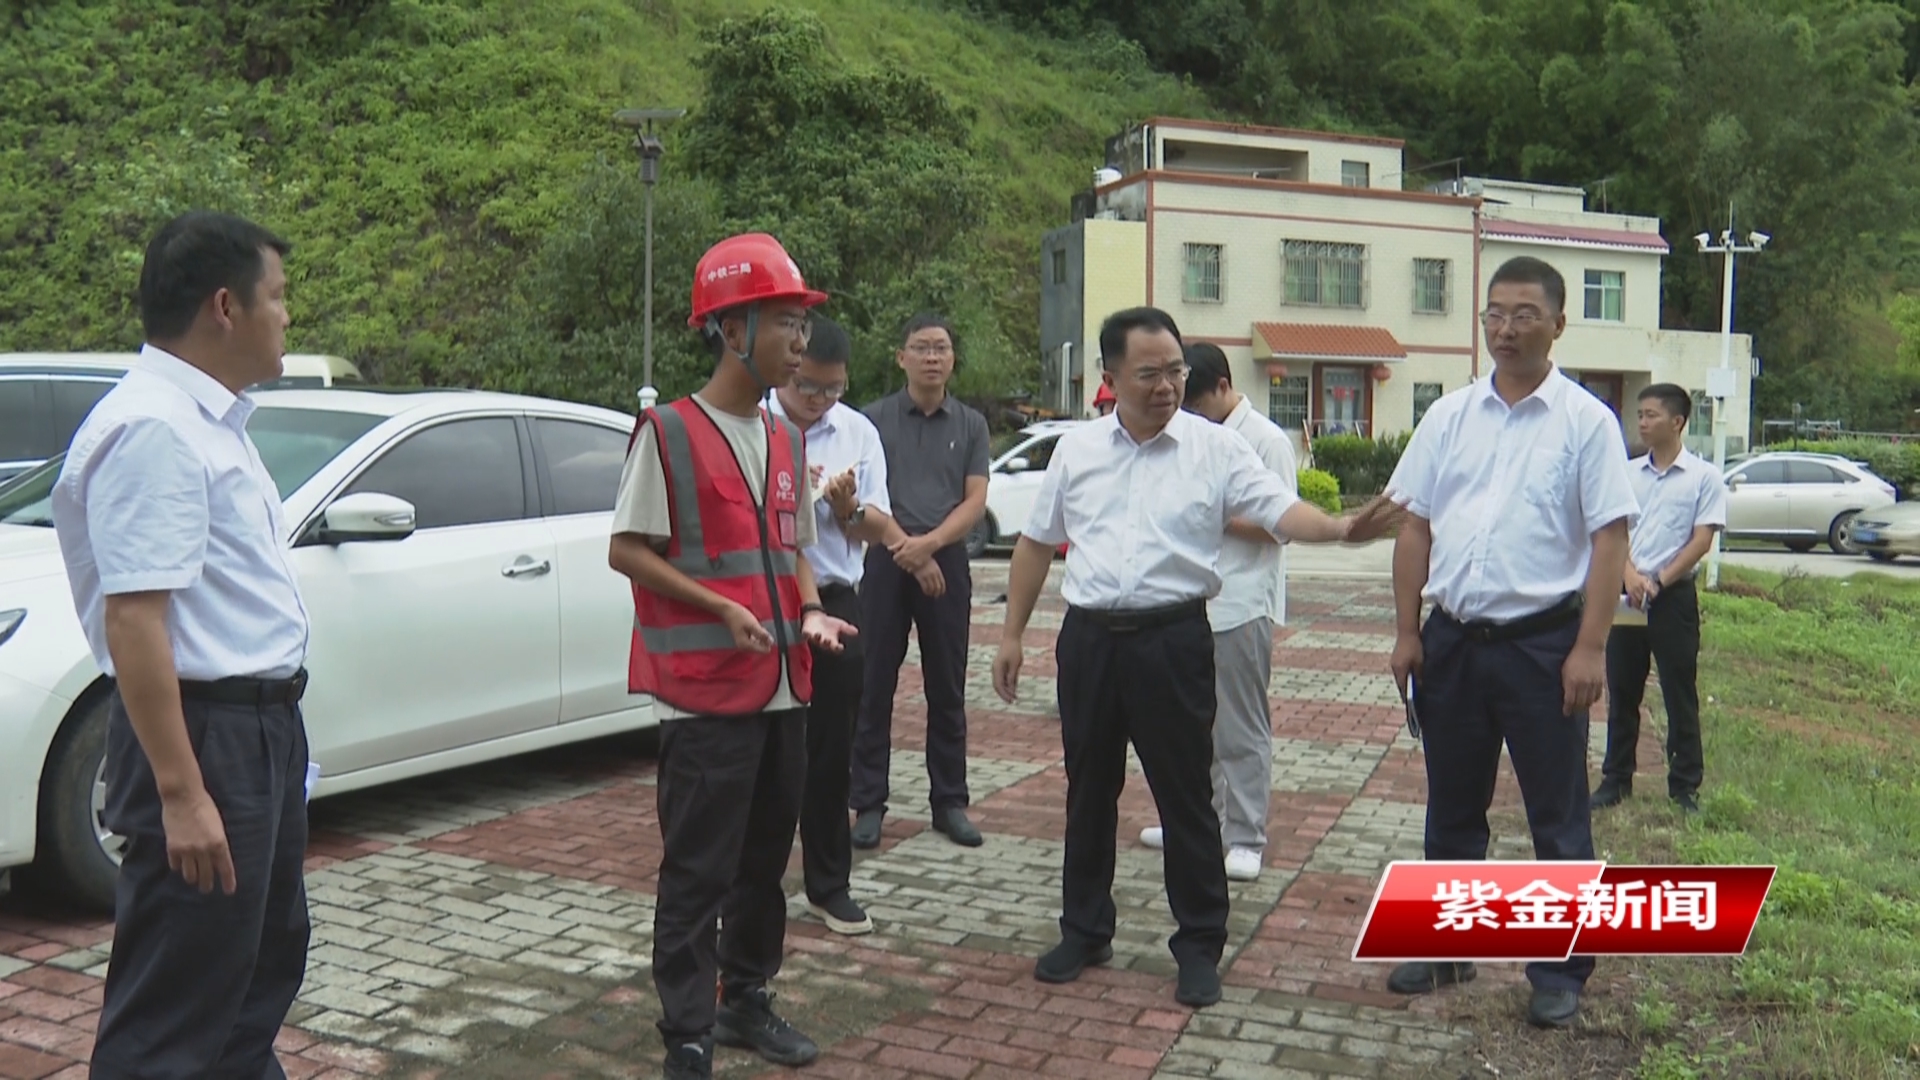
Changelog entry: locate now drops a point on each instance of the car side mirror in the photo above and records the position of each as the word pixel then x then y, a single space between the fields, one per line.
pixel 1014 465
pixel 1734 483
pixel 366 515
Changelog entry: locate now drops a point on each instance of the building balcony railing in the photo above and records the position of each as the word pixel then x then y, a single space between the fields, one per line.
pixel 1320 428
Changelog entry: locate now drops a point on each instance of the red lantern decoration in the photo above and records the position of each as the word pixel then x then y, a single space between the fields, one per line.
pixel 1381 373
pixel 1276 371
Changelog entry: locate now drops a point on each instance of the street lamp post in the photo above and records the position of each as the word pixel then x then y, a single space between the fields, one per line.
pixel 1720 382
pixel 648 146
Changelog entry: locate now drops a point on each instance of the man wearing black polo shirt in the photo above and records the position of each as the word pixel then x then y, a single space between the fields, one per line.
pixel 937 482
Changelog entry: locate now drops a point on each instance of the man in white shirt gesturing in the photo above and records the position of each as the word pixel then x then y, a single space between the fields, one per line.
pixel 1143 498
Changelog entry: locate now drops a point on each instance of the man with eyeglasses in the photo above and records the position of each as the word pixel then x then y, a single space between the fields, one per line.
pixel 711 525
pixel 1519 501
pixel 1145 497
pixel 848 470
pixel 937 453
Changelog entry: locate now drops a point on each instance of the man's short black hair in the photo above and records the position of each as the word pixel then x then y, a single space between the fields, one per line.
pixel 829 343
pixel 1120 324
pixel 194 256
pixel 1674 399
pixel 1527 270
pixel 927 320
pixel 1206 366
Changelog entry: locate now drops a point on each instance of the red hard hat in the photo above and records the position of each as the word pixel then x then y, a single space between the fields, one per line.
pixel 742 270
pixel 1104 395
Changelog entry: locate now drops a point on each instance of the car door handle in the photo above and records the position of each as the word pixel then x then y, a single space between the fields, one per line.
pixel 525 567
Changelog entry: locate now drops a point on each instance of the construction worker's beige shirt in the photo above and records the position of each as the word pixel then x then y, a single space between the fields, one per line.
pixel 642 506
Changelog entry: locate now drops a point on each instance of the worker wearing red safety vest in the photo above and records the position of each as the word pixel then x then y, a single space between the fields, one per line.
pixel 712 517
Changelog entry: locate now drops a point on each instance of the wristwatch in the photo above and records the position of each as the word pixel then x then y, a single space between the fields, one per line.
pixel 859 514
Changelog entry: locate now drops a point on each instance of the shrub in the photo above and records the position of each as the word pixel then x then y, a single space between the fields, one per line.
pixel 1361 465
pixel 1320 488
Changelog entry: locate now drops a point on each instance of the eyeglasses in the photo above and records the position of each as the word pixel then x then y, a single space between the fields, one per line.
pixel 829 393
pixel 939 348
pixel 1175 374
pixel 1522 322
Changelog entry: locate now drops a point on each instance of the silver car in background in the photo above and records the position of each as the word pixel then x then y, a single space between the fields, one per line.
pixel 1801 500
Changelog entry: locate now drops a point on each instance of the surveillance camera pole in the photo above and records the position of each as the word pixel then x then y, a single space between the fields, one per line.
pixel 1727 249
pixel 648 146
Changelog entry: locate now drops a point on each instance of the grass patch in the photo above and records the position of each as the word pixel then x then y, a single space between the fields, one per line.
pixel 1808 699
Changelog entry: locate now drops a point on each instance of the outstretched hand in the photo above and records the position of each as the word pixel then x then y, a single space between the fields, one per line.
pixel 826 632
pixel 1372 521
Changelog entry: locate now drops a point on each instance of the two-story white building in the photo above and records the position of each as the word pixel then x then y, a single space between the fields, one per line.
pixel 1344 302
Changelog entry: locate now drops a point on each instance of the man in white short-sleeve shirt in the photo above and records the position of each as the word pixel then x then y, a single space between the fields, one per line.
pixel 1683 502
pixel 1251 603
pixel 1143 498
pixel 1517 534
pixel 176 552
pixel 847 466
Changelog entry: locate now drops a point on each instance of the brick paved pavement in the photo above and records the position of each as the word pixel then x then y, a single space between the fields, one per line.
pixel 496 922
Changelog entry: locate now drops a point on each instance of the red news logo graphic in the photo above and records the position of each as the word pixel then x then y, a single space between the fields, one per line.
pixel 1546 911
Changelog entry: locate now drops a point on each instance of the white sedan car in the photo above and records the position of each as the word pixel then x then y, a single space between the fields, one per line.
pixel 1012 482
pixel 452 551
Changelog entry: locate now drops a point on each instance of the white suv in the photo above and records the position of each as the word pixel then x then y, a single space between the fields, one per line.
pixel 1801 500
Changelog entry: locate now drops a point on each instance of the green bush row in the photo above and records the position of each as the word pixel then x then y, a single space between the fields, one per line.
pixel 1361 465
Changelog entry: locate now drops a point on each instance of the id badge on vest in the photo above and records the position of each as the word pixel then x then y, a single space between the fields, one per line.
pixel 785 507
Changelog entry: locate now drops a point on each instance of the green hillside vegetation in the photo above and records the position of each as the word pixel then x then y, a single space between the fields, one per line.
pixel 464 210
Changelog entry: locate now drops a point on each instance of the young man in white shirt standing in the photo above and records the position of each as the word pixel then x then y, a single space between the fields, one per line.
pixel 1519 504
pixel 1143 498
pixel 1683 502
pixel 848 468
pixel 1252 601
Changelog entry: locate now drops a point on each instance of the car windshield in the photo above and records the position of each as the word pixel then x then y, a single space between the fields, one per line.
pixel 294 444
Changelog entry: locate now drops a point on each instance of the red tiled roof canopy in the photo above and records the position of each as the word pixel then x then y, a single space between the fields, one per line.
pixel 1569 234
pixel 1316 341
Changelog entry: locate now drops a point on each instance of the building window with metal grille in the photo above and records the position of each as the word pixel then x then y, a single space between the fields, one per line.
pixel 1424 395
pixel 1430 293
pixel 1204 283
pixel 1355 174
pixel 1607 295
pixel 1323 274
pixel 1287 401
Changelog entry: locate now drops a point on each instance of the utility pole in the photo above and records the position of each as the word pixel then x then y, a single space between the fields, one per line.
pixel 647 144
pixel 1720 382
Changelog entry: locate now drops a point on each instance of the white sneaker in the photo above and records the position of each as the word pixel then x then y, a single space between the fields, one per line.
pixel 1243 864
pixel 1155 838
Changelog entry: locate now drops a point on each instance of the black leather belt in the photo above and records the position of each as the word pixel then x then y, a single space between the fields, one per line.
pixel 246 691
pixel 1130 620
pixel 1487 631
pixel 836 587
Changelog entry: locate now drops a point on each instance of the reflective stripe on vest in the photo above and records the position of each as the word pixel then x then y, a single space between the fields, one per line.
pixel 695 637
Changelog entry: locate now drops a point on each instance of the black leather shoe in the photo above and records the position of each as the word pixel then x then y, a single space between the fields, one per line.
pixel 1686 801
pixel 1199 984
pixel 749 1022
pixel 953 821
pixel 866 829
pixel 1068 959
pixel 690 1061
pixel 1553 1008
pixel 1421 977
pixel 1610 794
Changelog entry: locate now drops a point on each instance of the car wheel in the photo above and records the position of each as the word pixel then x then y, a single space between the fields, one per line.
pixel 1840 535
pixel 79 856
pixel 1882 556
pixel 979 536
pixel 1799 547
